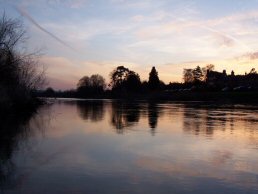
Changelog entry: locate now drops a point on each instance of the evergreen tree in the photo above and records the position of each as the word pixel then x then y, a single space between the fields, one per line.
pixel 198 74
pixel 154 82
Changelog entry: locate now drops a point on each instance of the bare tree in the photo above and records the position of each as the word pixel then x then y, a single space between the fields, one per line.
pixel 20 72
pixel 90 86
pixel 94 81
pixel 12 33
pixel 97 81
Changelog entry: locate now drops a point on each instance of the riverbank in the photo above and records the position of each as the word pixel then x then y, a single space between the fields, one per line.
pixel 223 97
pixel 219 97
pixel 9 107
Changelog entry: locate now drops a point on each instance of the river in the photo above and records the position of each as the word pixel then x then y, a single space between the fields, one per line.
pixel 108 147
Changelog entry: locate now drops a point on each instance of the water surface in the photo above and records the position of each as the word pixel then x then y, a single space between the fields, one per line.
pixel 112 147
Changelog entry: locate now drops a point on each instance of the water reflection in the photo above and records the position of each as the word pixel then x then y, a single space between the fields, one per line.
pixel 76 147
pixel 91 110
pixel 203 120
pixel 153 115
pixel 197 119
pixel 15 130
pixel 124 115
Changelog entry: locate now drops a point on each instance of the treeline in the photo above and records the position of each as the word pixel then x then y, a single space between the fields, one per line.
pixel 124 83
pixel 20 75
pixel 197 75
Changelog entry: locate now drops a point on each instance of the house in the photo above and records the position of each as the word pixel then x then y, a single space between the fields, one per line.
pixel 216 79
pixel 220 80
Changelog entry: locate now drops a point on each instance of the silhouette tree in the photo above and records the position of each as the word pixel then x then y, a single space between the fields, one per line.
pixel 124 80
pixel 84 82
pixel 144 86
pixel 97 81
pixel 253 71
pixel 49 92
pixel 118 76
pixel 88 86
pixel 133 82
pixel 188 76
pixel 19 71
pixel 154 82
pixel 198 74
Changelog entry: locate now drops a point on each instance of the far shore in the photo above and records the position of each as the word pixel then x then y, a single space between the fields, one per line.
pixel 250 97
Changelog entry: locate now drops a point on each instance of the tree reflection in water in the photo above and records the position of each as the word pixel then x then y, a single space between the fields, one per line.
pixel 14 132
pixel 197 118
pixel 91 110
pixel 205 119
pixel 124 115
pixel 153 114
pixel 29 162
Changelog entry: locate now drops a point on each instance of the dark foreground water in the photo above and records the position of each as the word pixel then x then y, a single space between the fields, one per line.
pixel 91 147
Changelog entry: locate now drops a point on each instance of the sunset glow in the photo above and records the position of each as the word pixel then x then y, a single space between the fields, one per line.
pixel 83 37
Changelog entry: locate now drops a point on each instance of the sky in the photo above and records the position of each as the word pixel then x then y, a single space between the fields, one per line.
pixel 83 37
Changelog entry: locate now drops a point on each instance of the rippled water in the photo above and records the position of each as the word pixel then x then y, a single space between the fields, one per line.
pixel 132 147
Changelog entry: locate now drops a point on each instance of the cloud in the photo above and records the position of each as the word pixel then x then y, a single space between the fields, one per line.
pixel 250 56
pixel 223 39
pixel 72 4
pixel 133 3
pixel 138 18
pixel 24 13
pixel 226 31
pixel 237 17
pixel 253 56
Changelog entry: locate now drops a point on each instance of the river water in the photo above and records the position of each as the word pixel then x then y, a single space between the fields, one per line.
pixel 110 147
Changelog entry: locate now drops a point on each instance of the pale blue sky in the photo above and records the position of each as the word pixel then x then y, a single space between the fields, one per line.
pixel 170 34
